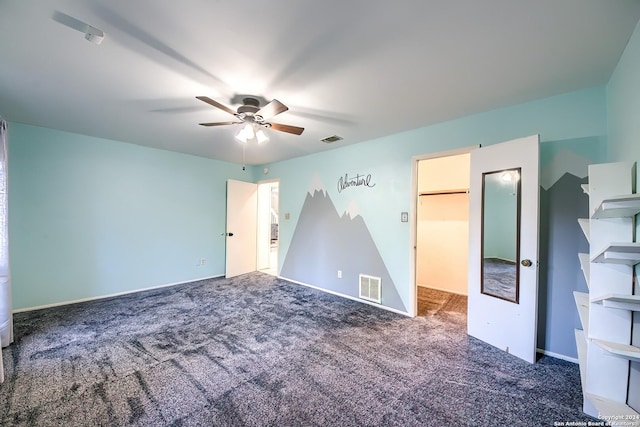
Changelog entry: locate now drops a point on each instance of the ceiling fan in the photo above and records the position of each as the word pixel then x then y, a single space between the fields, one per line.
pixel 255 117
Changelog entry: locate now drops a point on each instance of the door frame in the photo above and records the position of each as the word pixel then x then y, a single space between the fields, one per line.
pixel 413 217
pixel 261 183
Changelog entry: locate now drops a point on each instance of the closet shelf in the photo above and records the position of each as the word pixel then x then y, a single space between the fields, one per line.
pixel 584 225
pixel 586 266
pixel 582 302
pixel 618 207
pixel 619 253
pixel 625 351
pixel 616 413
pixel 444 192
pixel 620 301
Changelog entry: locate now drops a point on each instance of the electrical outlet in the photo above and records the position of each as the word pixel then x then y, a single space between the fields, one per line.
pixel 203 261
pixel 339 274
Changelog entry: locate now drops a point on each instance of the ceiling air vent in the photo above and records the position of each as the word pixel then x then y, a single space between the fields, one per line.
pixel 330 139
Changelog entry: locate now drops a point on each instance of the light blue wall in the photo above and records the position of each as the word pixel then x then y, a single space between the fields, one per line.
pixel 623 108
pixel 92 217
pixel 575 116
pixel 623 104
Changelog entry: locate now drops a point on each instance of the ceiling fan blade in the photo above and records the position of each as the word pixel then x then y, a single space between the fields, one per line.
pixel 219 123
pixel 216 104
pixel 273 108
pixel 287 128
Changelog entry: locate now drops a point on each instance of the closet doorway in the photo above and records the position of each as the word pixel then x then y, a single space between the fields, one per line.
pixel 442 232
pixel 268 226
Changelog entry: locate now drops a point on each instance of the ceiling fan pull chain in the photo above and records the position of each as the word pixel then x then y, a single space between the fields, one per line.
pixel 243 165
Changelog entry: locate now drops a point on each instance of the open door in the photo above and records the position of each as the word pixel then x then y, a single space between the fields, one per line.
pixel 241 234
pixel 503 246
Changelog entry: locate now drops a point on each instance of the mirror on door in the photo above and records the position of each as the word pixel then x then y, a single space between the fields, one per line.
pixel 501 234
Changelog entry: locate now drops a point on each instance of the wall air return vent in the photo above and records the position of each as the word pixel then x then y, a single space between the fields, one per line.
pixel 370 288
pixel 330 139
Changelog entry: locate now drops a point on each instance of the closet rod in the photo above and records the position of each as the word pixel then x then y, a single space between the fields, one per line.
pixel 444 193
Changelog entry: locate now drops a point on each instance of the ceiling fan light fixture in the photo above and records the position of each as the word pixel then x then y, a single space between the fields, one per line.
pixel 242 136
pixel 261 137
pixel 249 132
pixel 245 134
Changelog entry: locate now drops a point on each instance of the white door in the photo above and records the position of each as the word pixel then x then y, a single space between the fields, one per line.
pixel 241 235
pixel 499 312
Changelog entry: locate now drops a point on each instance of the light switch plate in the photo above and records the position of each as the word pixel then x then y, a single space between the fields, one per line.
pixel 404 216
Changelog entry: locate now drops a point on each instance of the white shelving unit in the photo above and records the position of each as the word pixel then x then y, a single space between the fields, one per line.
pixel 624 351
pixel 582 302
pixel 585 264
pixel 618 207
pixel 623 302
pixel 619 253
pixel 604 348
pixel 584 225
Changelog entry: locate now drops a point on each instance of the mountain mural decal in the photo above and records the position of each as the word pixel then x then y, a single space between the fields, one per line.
pixel 562 202
pixel 564 162
pixel 325 242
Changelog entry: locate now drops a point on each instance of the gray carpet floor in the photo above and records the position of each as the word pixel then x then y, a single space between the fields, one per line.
pixel 258 351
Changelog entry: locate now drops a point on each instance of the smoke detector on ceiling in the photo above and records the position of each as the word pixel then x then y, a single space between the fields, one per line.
pixel 93 34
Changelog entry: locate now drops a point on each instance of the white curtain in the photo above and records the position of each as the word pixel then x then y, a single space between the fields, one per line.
pixel 6 318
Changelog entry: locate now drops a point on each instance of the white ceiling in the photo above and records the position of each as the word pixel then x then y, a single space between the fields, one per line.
pixel 361 69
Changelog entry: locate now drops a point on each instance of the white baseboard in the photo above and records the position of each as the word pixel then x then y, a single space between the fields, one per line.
pixel 557 355
pixel 58 304
pixel 404 313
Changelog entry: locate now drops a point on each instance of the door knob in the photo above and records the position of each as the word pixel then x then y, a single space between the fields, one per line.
pixel 526 263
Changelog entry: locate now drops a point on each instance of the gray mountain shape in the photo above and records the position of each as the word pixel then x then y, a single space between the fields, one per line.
pixel 561 239
pixel 324 242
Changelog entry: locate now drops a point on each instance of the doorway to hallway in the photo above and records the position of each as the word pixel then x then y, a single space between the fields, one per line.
pixel 268 226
